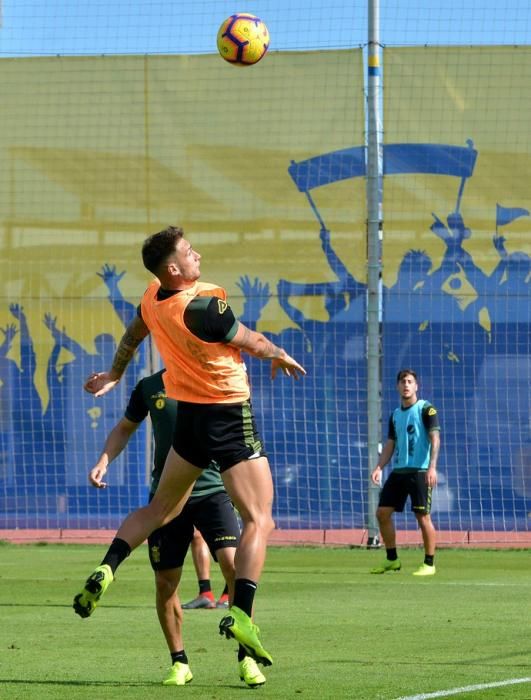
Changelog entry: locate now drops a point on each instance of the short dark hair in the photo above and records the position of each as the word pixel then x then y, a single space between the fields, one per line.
pixel 158 247
pixel 405 372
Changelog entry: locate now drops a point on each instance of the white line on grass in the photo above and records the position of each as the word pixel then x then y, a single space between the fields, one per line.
pixel 465 689
pixel 491 584
pixel 484 583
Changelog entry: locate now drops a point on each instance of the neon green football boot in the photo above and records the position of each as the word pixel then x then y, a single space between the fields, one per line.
pixel 387 566
pixel 239 626
pixel 95 586
pixel 179 674
pixel 250 673
pixel 425 570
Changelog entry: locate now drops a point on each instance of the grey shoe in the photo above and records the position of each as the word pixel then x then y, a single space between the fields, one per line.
pixel 202 601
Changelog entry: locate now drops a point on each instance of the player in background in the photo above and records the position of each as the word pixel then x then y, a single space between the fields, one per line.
pixel 209 509
pixel 205 597
pixel 413 444
pixel 200 342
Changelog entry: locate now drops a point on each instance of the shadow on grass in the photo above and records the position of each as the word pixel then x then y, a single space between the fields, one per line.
pixel 147 606
pixel 82 684
pixel 110 684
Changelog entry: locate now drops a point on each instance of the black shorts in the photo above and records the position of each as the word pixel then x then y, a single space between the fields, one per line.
pixel 215 518
pixel 225 433
pixel 400 485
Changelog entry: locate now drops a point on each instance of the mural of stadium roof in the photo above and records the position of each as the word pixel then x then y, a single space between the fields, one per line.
pixel 104 178
pixel 251 168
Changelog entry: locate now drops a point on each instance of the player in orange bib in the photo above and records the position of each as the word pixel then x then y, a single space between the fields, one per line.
pixel 200 342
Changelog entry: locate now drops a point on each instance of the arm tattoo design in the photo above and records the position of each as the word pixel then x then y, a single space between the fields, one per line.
pixel 261 347
pixel 246 336
pixel 271 350
pixel 435 446
pixel 125 351
pixel 267 350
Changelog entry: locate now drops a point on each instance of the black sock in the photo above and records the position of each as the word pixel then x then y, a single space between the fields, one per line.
pixel 428 559
pixel 391 554
pixel 244 591
pixel 117 552
pixel 225 591
pixel 179 656
pixel 204 585
pixel 241 653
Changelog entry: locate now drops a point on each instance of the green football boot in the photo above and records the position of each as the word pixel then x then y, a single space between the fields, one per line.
pixel 239 626
pixel 179 674
pixel 250 673
pixel 95 586
pixel 387 566
pixel 425 570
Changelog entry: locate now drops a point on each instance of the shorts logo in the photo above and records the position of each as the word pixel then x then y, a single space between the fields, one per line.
pixel 155 555
pixel 222 306
pixel 160 403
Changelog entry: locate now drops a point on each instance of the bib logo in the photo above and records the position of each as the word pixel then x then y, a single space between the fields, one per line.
pixel 222 306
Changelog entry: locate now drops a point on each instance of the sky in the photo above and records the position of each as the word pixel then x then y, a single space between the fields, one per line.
pixel 87 27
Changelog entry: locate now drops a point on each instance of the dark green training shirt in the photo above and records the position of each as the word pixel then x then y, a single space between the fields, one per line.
pixel 149 396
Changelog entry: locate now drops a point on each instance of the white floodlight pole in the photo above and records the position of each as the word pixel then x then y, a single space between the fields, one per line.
pixel 374 258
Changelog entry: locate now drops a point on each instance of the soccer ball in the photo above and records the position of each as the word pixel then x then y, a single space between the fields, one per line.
pixel 243 39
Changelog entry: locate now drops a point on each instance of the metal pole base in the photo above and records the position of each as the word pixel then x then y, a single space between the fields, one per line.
pixel 373 542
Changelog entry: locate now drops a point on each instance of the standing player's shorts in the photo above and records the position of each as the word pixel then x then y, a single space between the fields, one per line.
pixel 400 485
pixel 222 432
pixel 215 518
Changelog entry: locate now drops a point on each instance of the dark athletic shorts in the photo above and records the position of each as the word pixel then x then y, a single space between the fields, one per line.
pixel 215 518
pixel 400 485
pixel 225 433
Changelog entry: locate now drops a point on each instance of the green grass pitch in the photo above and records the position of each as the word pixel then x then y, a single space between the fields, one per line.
pixel 334 630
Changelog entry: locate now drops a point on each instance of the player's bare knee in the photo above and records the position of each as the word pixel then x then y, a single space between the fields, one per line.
pixel 226 562
pixel 161 512
pixel 424 520
pixel 383 515
pixel 165 585
pixel 259 521
pixel 266 523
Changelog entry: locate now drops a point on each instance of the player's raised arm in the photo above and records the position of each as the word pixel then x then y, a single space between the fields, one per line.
pixel 99 383
pixel 257 345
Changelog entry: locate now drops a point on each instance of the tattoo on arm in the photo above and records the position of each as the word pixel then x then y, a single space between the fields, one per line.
pixel 271 350
pixel 258 345
pixel 435 446
pixel 246 335
pixel 125 351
